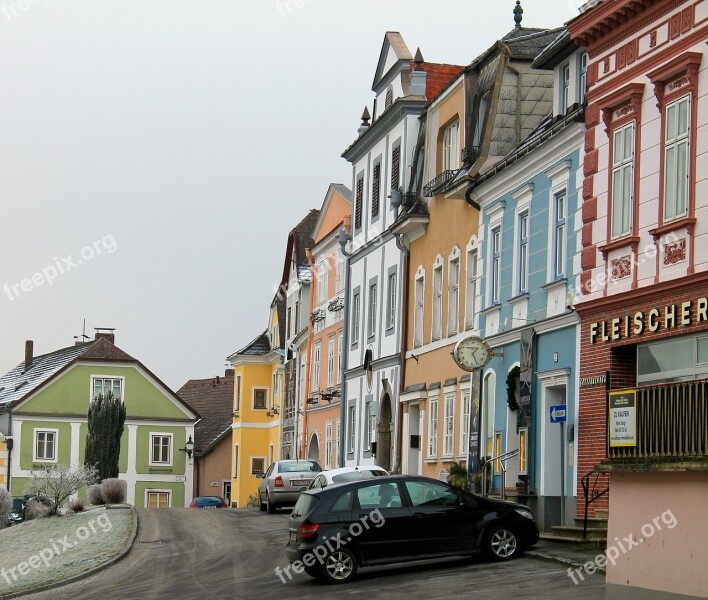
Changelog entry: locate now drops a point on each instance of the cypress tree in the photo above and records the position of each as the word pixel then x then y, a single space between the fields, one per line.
pixel 106 420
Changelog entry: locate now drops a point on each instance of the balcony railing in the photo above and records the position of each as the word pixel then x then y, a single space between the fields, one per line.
pixel 672 422
pixel 432 187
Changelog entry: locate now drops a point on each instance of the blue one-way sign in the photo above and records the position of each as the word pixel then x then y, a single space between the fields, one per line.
pixel 558 413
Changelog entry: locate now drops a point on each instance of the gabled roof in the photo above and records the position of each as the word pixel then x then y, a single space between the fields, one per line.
pixel 334 188
pixel 213 399
pixel 519 43
pixel 299 238
pixel 555 52
pixel 258 346
pixel 438 77
pixel 18 383
pixel 392 40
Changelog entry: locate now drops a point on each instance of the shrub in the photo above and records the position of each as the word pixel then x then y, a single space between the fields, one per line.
pixel 95 495
pixel 76 505
pixel 253 501
pixel 114 491
pixel 56 483
pixel 5 506
pixel 36 510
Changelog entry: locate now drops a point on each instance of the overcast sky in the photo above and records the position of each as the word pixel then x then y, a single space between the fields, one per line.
pixel 154 155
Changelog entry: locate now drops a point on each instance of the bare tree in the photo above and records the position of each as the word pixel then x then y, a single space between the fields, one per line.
pixel 56 483
pixel 5 505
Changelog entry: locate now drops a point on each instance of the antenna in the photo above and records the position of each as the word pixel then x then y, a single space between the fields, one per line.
pixel 83 335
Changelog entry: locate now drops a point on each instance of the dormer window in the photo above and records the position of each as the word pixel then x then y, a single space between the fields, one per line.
pixel 451 146
pixel 565 88
pixel 582 76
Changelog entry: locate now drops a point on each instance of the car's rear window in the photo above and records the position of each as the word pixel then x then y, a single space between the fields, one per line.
pixel 354 475
pixel 301 465
pixel 303 505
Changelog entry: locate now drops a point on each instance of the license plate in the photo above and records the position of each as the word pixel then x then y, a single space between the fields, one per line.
pixel 300 482
pixel 293 536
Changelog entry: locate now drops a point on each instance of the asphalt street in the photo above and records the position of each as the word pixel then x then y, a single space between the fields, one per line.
pixel 233 553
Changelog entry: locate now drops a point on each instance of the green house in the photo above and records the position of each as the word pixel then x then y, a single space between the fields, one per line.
pixel 43 412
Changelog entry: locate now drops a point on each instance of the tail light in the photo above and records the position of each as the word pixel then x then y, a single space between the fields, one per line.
pixel 193 505
pixel 279 481
pixel 224 505
pixel 307 531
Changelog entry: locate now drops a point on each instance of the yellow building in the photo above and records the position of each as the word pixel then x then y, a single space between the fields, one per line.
pixel 3 461
pixel 258 388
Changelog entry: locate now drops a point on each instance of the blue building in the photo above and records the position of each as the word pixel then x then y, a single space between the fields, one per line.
pixel 529 263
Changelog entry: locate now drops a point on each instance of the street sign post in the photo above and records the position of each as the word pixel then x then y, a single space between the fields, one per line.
pixel 559 415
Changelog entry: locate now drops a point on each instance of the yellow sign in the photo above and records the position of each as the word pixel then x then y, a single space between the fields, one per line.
pixel 622 419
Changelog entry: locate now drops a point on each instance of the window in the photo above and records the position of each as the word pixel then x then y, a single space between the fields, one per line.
pixel 481 118
pixel 523 432
pixel 257 465
pixel 453 297
pixel 583 76
pixel 45 445
pixel 391 313
pixel 471 291
pixel 497 451
pixel 389 98
pixel 330 362
pixel 344 502
pixel 289 320
pixel 340 375
pixel 238 393
pixel 565 89
pixel 559 235
pixel 437 303
pixel 356 314
pixel 465 425
pixel 372 310
pixel 449 425
pixel 395 167
pixel 367 427
pixel 260 398
pixel 433 428
pixel 158 499
pixel 683 358
pixel 328 445
pixel 451 147
pixel 104 386
pixel 495 270
pixel 622 179
pixel 339 273
pixel 352 427
pixel 375 190
pixel 161 449
pixel 316 367
pixel 296 326
pixel 676 158
pixel 358 207
pixel 235 461
pixel 379 495
pixel 337 433
pixel 430 493
pixel 322 281
pixel 523 258
pixel 418 317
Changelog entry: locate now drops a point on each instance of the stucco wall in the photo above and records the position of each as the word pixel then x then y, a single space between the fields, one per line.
pixel 215 466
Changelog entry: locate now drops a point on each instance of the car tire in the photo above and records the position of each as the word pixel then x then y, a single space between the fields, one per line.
pixel 270 507
pixel 339 566
pixel 501 542
pixel 261 504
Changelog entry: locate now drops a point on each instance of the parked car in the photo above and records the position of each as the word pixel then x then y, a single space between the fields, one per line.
pixel 345 474
pixel 401 518
pixel 209 502
pixel 283 480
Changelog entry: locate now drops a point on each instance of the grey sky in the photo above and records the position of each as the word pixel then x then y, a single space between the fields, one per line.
pixel 186 139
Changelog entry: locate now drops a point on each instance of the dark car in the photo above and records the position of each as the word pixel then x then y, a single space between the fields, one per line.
pixel 336 530
pixel 209 502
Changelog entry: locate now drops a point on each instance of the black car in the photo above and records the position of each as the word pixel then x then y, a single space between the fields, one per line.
pixel 336 530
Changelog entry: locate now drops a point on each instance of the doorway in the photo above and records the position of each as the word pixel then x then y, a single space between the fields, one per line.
pixel 313 451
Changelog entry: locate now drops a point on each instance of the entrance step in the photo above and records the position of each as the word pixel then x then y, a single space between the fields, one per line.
pixel 602 513
pixel 598 523
pixel 568 531
pixel 598 542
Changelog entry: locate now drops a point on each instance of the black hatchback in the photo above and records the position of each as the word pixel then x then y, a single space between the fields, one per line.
pixel 335 530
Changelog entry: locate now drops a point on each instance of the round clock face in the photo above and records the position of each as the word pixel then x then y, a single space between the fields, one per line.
pixel 472 353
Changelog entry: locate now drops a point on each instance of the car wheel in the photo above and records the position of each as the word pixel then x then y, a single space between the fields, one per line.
pixel 501 543
pixel 261 504
pixel 340 566
pixel 270 507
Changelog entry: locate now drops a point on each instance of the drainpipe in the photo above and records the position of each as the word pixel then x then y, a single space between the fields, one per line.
pixel 310 335
pixel 344 237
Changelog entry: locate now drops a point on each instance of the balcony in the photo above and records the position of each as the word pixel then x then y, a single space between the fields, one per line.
pixel 438 184
pixel 671 429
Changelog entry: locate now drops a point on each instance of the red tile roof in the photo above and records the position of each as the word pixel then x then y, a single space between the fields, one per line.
pixel 439 76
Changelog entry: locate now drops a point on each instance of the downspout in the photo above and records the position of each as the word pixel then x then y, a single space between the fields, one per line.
pixel 10 443
pixel 310 333
pixel 196 464
pixel 397 466
pixel 344 237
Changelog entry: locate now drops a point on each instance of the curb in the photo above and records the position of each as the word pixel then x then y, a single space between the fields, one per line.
pixel 88 573
pixel 566 562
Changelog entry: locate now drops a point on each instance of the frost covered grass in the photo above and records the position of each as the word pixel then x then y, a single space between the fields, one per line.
pixel 53 549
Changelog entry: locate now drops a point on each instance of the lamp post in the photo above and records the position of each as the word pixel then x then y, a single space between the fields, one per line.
pixel 188 447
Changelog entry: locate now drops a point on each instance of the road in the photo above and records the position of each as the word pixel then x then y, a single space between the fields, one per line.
pixel 232 554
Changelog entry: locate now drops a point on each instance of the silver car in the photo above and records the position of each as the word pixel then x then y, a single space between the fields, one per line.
pixel 283 480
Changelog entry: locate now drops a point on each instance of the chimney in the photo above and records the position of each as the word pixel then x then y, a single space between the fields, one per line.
pixel 29 354
pixel 418 76
pixel 105 333
pixel 229 373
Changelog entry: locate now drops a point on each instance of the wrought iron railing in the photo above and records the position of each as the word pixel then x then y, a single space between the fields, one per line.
pixel 595 486
pixel 671 422
pixel 431 188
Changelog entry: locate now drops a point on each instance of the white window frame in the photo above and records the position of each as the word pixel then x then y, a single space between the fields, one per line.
pixel 55 445
pixel 560 199
pixel 367 425
pixel 340 350
pixel 265 466
pixel 330 361
pixel 438 282
pixel 495 265
pixel 624 167
pixel 564 88
pixel 471 283
pixel 339 272
pixel 673 144
pixel 154 491
pixel 451 146
pixel 582 76
pixel 120 378
pixel 322 281
pixel 152 462
pixel 391 317
pixel 432 445
pixel 522 246
pixel 419 309
pixel 328 444
pixel 453 292
pixel 337 434
pixel 316 358
pixel 373 304
pixel 356 317
pixel 352 429
pixel 466 398
pixel 449 425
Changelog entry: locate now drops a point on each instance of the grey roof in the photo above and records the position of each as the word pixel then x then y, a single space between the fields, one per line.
pixel 416 387
pixel 213 399
pixel 343 190
pixel 555 52
pixel 256 347
pixel 451 381
pixel 434 386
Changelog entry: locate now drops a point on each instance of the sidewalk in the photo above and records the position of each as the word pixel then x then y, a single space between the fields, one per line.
pixel 568 554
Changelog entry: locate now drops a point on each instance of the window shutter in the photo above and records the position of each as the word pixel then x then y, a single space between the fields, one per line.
pixel 395 167
pixel 376 185
pixel 359 201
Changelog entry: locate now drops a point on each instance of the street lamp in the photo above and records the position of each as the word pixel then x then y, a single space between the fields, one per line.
pixel 188 447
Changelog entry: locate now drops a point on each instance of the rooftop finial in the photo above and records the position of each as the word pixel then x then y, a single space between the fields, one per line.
pixel 365 117
pixel 518 14
pixel 418 60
